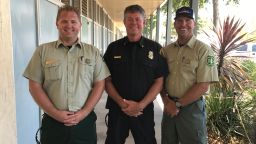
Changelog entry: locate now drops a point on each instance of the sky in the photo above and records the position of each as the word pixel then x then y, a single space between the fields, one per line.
pixel 245 11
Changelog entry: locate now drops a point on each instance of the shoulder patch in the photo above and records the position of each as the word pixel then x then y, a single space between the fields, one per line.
pixel 210 61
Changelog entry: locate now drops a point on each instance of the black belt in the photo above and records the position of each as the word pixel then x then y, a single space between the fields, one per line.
pixel 173 98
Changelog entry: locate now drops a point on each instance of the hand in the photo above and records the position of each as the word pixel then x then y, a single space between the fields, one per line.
pixel 70 118
pixel 77 117
pixel 133 108
pixel 170 108
pixel 65 117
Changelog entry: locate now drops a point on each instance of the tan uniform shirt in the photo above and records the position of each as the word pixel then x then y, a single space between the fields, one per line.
pixel 189 64
pixel 67 75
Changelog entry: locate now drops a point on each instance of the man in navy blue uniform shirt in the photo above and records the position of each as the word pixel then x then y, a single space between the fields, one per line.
pixel 137 71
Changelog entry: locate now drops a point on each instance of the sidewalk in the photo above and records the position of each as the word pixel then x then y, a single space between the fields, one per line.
pixel 101 126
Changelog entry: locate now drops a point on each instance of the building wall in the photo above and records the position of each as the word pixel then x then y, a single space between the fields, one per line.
pixel 23 15
pixel 7 98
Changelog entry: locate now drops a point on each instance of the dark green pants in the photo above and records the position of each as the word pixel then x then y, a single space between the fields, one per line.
pixel 188 127
pixel 54 132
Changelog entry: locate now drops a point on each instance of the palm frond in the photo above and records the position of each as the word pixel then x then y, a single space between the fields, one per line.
pixel 224 38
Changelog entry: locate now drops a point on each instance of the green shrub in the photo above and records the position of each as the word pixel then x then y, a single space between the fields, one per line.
pixel 250 67
pixel 231 117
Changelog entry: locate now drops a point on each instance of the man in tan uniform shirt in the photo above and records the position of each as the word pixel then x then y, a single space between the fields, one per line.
pixel 66 79
pixel 192 67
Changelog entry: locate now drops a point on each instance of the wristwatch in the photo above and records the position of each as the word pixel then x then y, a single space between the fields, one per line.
pixel 178 104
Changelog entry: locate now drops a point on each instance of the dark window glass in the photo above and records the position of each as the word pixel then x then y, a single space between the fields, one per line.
pixel 254 48
pixel 243 48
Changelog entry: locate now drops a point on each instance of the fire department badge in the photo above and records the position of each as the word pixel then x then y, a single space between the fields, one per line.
pixel 150 55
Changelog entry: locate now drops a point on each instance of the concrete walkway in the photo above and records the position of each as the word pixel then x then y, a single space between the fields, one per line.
pixel 102 128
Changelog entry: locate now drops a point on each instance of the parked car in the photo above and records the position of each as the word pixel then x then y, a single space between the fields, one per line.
pixel 246 51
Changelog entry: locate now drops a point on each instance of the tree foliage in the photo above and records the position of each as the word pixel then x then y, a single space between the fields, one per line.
pixel 179 3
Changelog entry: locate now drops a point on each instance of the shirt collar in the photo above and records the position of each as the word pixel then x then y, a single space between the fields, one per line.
pixel 141 41
pixel 60 44
pixel 190 43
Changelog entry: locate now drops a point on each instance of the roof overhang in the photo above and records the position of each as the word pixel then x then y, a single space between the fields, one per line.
pixel 115 8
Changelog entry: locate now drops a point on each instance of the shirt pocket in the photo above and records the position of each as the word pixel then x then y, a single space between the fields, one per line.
pixel 149 64
pixel 86 67
pixel 149 67
pixel 52 71
pixel 189 65
pixel 118 66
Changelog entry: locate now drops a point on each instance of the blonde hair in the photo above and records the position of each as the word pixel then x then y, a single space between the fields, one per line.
pixel 69 9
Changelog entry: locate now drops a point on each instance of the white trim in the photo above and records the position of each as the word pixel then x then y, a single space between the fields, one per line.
pixel 86 18
pixel 38 22
pixel 57 2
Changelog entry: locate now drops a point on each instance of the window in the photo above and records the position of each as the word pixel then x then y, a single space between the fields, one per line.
pixel 243 48
pixel 254 48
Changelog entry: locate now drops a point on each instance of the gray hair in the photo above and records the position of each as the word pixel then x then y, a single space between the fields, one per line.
pixel 133 9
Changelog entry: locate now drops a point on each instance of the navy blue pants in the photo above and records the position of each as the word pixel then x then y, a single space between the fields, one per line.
pixel 142 127
pixel 54 132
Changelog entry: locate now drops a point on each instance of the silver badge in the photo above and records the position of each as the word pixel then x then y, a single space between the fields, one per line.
pixel 150 55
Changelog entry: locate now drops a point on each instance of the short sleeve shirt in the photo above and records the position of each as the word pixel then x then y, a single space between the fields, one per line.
pixel 66 74
pixel 134 66
pixel 192 63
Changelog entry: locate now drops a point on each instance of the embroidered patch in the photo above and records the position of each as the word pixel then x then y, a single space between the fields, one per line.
pixel 210 60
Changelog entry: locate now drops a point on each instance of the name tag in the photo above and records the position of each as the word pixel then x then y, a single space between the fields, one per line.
pixel 47 62
pixel 117 57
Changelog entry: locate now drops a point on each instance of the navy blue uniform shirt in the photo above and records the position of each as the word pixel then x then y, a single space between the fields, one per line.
pixel 133 66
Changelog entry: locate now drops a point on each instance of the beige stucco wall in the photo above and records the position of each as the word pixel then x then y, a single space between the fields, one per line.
pixel 7 96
